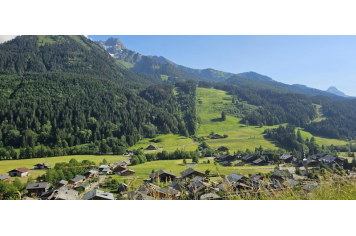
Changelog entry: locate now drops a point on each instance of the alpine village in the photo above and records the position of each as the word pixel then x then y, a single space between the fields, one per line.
pixel 94 120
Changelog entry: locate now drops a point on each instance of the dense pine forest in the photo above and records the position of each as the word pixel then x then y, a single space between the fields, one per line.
pixel 60 92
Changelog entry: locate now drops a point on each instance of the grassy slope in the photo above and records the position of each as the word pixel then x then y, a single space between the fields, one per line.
pixel 170 142
pixel 240 136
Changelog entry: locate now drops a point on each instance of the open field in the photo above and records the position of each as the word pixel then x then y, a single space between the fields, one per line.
pixel 323 141
pixel 8 165
pixel 170 142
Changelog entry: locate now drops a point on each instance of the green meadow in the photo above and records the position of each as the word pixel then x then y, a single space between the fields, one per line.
pixel 8 165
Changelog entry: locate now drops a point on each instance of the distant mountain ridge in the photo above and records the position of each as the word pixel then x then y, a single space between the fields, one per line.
pixel 159 65
pixel 335 91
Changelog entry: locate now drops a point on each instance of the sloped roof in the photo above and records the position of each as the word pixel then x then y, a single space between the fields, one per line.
pixel 77 178
pixel 3 177
pixel 234 177
pixel 38 185
pixel 21 169
pixel 285 156
pixel 99 193
pixel 189 171
pixel 160 172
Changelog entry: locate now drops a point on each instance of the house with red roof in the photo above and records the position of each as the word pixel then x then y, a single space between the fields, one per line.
pixel 19 172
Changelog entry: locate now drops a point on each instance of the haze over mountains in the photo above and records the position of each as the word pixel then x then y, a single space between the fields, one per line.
pixel 159 65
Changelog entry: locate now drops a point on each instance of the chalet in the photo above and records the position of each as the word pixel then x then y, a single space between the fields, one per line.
pixel 210 196
pixel 267 154
pixel 287 158
pixel 41 166
pixel 226 163
pixel 197 178
pixel 332 161
pixel 65 193
pixel 19 172
pixel 190 173
pixel 136 195
pixel 76 180
pixel 177 186
pixel 223 149
pixel 106 171
pixel 91 173
pixel 225 187
pixel 259 162
pixel 99 195
pixel 4 178
pixel 122 188
pixel 152 147
pixel 102 167
pixel 311 161
pixel 197 187
pixel 225 157
pixel 320 155
pixel 127 172
pixel 62 183
pixel 129 152
pixel 150 190
pixel 169 193
pixel 162 176
pixel 238 163
pixel 118 167
pixel 235 178
pixel 281 174
pixel 249 158
pixel 37 188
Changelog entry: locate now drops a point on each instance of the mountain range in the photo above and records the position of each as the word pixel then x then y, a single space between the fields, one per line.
pixel 165 68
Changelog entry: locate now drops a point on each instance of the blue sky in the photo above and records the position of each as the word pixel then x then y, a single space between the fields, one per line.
pixel 315 61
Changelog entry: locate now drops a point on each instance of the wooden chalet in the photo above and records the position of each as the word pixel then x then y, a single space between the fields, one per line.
pixel 162 176
pixel 127 172
pixel 37 188
pixel 249 158
pixel 191 173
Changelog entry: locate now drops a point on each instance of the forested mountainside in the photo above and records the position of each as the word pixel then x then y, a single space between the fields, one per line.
pixel 65 91
pixel 340 122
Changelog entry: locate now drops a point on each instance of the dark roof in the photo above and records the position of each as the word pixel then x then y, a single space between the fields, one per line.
pixel 234 177
pixel 161 172
pixel 77 178
pixel 281 173
pixel 223 148
pixel 38 185
pixel 321 154
pixel 127 170
pixel 3 177
pixel 190 171
pixel 136 195
pixel 21 169
pixel 63 182
pixel 247 157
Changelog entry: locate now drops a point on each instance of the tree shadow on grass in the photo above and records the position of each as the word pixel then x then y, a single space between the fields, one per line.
pixel 216 120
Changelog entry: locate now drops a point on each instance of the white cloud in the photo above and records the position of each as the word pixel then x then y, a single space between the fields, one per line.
pixel 4 38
